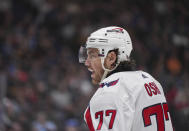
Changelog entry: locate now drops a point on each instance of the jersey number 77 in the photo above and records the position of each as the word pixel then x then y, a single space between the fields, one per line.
pixel 159 110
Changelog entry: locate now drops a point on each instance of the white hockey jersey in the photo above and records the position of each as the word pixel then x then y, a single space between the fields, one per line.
pixel 128 101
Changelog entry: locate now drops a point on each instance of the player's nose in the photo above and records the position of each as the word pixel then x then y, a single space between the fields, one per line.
pixel 87 63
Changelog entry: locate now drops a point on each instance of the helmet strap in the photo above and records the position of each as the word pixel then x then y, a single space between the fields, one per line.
pixel 106 71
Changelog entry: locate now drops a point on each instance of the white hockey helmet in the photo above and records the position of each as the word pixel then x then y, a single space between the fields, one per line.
pixel 107 39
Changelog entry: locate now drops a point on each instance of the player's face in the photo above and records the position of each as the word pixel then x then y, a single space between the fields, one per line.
pixel 94 65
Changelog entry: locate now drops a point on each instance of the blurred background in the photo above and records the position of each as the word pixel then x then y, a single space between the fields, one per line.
pixel 42 85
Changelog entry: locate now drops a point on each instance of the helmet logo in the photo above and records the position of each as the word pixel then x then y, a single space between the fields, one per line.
pixel 117 30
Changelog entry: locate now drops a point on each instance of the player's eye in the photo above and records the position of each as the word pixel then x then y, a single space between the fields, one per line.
pixel 93 55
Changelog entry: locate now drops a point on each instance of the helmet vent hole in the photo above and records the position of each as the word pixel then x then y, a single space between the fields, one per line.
pixel 103 40
pixel 102 51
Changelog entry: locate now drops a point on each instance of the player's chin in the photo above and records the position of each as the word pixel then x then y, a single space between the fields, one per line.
pixel 95 82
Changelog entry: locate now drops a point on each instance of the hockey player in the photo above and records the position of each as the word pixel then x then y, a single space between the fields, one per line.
pixel 126 100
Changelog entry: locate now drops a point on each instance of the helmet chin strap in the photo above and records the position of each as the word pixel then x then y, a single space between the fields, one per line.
pixel 106 71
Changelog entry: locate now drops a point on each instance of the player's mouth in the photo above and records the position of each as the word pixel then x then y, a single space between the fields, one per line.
pixel 92 73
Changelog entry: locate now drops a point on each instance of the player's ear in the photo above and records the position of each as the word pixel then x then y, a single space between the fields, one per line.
pixel 110 59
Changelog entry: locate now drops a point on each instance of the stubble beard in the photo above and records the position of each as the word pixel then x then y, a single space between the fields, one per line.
pixel 94 82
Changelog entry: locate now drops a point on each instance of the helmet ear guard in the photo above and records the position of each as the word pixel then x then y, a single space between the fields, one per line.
pixel 122 55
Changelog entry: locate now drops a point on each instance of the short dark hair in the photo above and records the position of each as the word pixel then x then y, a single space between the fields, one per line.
pixel 124 65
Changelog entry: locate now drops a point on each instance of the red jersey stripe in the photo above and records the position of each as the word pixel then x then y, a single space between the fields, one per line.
pixel 89 120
